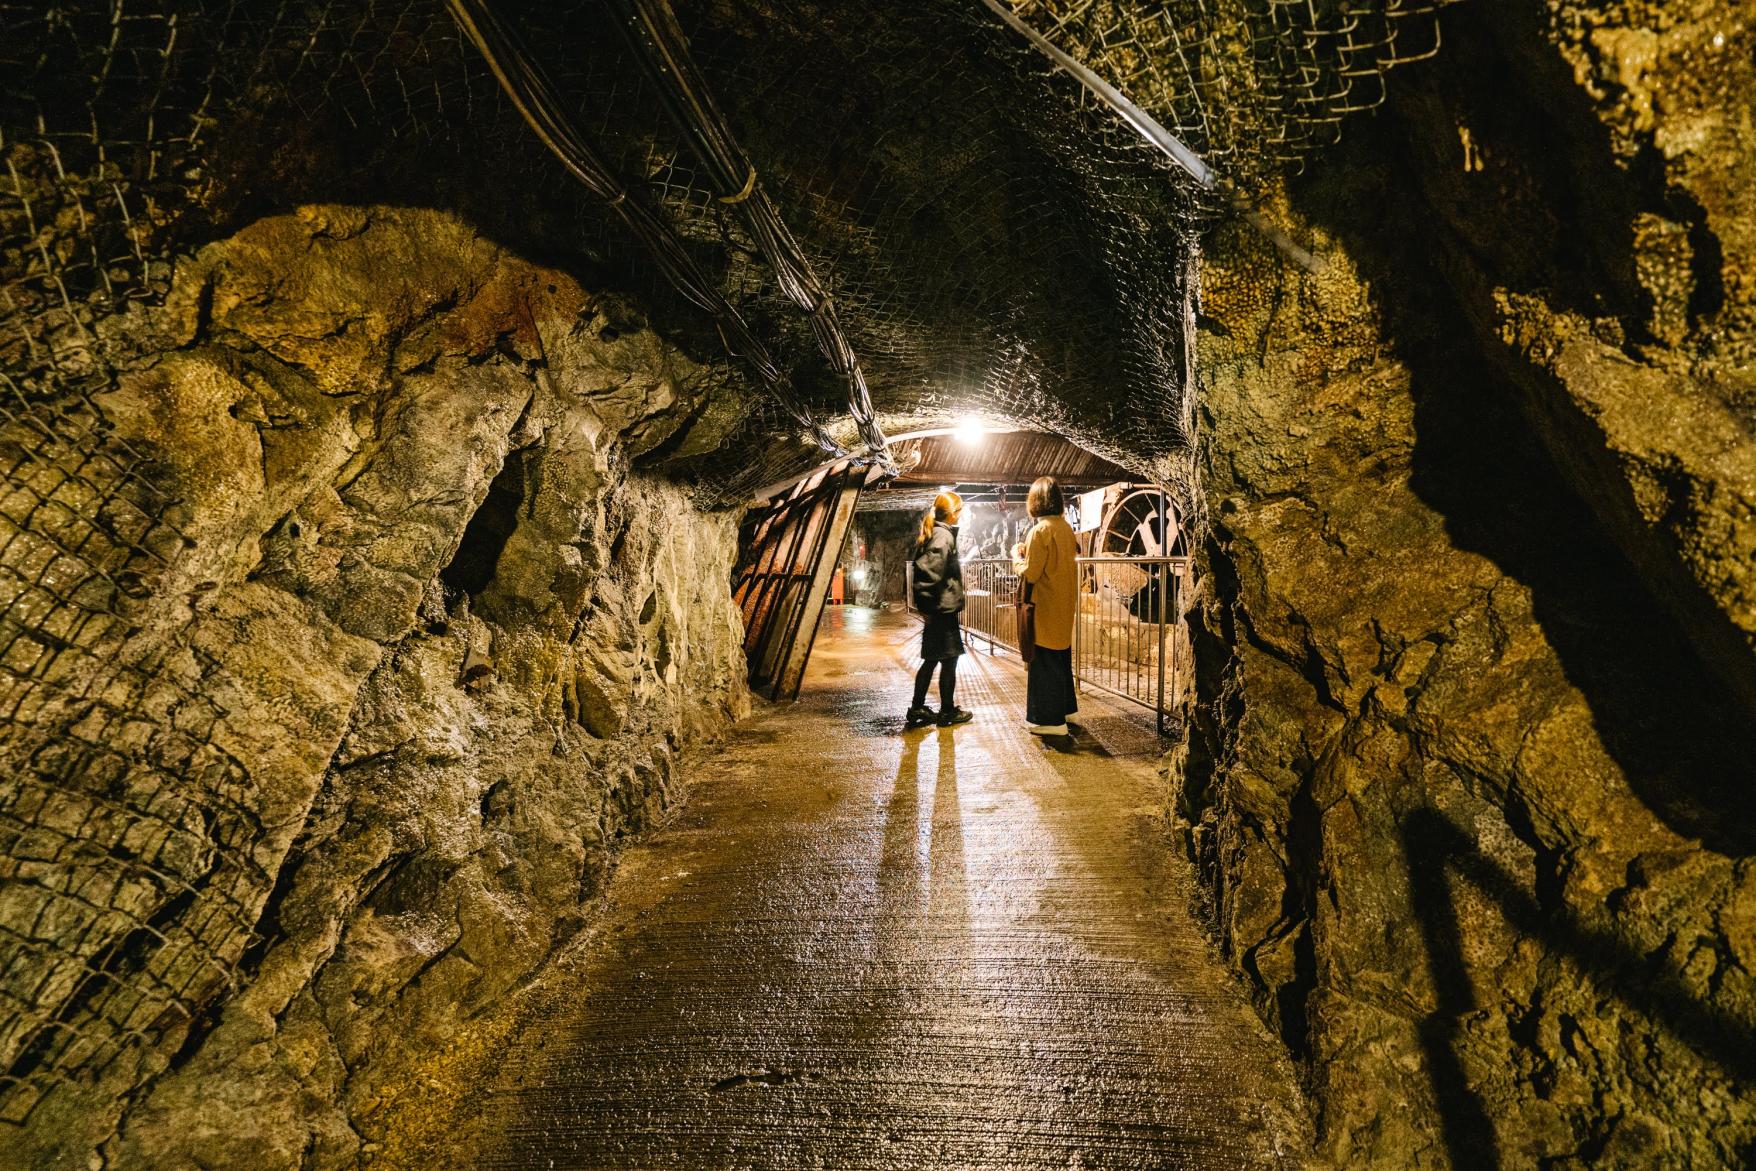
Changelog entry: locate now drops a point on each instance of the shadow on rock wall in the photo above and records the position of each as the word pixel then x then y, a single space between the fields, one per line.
pixel 1489 459
pixel 1685 742
pixel 1439 854
pixel 1468 773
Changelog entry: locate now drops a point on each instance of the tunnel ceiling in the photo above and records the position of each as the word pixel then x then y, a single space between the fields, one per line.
pixel 995 240
pixel 1014 457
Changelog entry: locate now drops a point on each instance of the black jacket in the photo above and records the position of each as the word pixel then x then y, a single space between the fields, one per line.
pixel 938 576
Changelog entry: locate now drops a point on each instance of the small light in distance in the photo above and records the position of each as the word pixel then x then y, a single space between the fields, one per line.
pixel 970 429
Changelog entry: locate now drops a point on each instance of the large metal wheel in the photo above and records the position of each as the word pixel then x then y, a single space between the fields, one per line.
pixel 1143 523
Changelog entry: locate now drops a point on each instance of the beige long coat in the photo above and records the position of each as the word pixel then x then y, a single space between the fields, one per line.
pixel 1048 565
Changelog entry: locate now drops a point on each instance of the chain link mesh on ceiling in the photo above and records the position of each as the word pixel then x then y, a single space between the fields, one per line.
pixel 1252 86
pixel 996 242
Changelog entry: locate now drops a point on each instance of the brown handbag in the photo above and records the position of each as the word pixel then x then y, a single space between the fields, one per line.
pixel 1027 623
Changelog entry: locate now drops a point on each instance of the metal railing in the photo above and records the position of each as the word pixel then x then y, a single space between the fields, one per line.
pixel 1128 634
pixel 990 613
pixel 990 591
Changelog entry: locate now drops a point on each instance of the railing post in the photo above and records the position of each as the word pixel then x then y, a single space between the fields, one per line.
pixel 1078 624
pixel 1163 583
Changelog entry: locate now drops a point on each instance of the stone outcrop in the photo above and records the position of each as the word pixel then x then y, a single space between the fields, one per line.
pixel 1602 235
pixel 888 539
pixel 1473 744
pixel 457 641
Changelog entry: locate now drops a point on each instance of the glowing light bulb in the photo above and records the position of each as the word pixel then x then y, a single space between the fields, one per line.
pixel 970 429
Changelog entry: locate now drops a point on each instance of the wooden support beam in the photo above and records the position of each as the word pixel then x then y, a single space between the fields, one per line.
pixel 838 521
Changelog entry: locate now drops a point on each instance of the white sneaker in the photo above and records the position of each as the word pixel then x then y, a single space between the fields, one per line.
pixel 1046 729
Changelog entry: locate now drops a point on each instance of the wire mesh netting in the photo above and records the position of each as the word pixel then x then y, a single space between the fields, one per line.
pixel 997 246
pixel 131 834
pixel 1252 86
pixel 125 830
pixel 996 243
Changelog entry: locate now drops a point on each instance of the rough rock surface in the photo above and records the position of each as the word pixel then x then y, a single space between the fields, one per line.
pixel 1473 746
pixel 1601 235
pixel 888 538
pixel 460 643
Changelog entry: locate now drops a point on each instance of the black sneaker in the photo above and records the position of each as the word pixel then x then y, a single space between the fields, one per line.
pixel 955 716
pixel 919 716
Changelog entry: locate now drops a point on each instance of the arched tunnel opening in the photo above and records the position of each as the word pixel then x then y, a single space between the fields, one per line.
pixel 464 470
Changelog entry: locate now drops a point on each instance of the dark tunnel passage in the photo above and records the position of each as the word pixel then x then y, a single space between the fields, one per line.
pixel 484 538
pixel 462 473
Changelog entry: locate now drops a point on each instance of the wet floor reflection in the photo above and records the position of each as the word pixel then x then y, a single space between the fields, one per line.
pixel 863 949
pixel 922 882
pixel 900 881
pixel 947 881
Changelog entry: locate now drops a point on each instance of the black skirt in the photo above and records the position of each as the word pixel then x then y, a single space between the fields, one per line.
pixel 941 638
pixel 1048 687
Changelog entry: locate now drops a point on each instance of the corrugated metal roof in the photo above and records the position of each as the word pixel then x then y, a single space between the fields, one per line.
pixel 1007 457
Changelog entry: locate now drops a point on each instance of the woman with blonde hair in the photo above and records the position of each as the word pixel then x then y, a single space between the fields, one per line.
pixel 938 597
pixel 1045 561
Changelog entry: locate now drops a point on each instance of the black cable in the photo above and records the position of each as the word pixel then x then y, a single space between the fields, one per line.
pixel 524 82
pixel 657 39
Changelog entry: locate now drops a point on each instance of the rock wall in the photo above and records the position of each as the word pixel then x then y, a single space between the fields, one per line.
pixel 1469 768
pixel 888 538
pixel 450 642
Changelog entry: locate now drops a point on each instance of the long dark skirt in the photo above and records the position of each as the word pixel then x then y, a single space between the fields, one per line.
pixel 1048 688
pixel 941 638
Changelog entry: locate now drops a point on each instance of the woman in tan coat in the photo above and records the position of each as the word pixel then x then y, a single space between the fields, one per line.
pixel 1045 560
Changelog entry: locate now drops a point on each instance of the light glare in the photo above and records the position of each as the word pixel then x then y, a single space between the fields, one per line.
pixel 970 430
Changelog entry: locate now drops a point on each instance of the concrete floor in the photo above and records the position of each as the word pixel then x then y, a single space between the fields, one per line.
pixel 862 948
